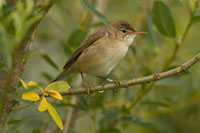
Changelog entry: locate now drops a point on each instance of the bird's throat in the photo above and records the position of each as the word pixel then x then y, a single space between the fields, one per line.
pixel 129 39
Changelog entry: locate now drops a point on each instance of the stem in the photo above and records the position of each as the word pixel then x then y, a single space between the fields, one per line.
pixel 85 17
pixel 83 21
pixel 9 82
pixel 187 29
pixel 177 44
pixel 93 117
pixel 71 117
pixel 18 108
pixel 168 62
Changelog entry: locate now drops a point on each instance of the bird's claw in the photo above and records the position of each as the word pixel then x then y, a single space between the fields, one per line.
pixel 87 89
pixel 157 76
pixel 117 82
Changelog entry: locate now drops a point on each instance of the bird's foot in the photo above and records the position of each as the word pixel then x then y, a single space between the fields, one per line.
pixel 86 85
pixel 117 82
pixel 87 88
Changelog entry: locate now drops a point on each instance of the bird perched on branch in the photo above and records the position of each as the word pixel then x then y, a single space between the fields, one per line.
pixel 101 51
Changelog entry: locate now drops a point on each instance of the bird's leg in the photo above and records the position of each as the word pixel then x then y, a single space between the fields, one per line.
pixel 111 81
pixel 86 85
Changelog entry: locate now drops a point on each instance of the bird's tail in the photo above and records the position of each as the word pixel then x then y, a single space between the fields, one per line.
pixel 61 76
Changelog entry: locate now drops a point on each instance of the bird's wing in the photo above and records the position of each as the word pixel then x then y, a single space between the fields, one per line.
pixel 90 41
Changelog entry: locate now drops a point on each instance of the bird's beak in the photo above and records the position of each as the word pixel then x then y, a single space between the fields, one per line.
pixel 140 32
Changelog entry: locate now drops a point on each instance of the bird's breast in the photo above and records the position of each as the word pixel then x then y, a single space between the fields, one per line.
pixel 100 58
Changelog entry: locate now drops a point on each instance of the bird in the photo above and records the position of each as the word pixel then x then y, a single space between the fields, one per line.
pixel 101 51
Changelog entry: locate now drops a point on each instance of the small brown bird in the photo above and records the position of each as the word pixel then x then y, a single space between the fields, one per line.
pixel 101 51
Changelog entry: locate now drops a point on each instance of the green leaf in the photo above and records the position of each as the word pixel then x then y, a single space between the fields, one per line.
pixel 150 27
pixel 31 53
pixel 190 3
pixel 133 50
pixel 36 131
pixel 49 61
pixel 110 130
pixel 18 21
pixel 110 115
pixel 66 47
pixel 64 104
pixel 145 70
pixel 12 130
pixel 57 25
pixel 125 110
pixel 163 20
pixel 97 101
pixel 55 116
pixel 93 11
pixel 141 122
pixel 155 103
pixel 128 95
pixel 46 76
pixel 98 24
pixel 2 66
pixel 54 1
pixel 83 103
pixel 77 37
pixel 13 121
pixel 196 17
pixel 59 86
pixel 128 119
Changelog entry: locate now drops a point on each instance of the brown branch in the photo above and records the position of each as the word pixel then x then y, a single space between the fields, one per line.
pixel 8 81
pixel 135 81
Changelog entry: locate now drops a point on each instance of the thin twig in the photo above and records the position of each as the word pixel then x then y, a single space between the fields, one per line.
pixel 70 117
pixel 22 107
pixel 177 44
pixel 94 120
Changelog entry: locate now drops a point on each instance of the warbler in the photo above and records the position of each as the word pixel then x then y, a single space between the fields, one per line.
pixel 101 51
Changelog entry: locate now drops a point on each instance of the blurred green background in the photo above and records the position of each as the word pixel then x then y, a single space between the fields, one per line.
pixel 170 106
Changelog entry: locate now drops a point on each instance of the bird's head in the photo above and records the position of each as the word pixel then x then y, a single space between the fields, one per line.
pixel 125 31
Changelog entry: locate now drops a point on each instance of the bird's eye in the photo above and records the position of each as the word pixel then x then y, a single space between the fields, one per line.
pixel 124 31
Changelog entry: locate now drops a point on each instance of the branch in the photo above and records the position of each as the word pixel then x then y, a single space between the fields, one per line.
pixel 135 81
pixel 8 81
